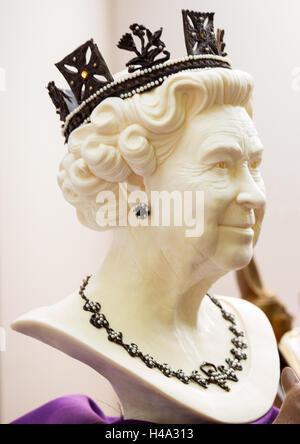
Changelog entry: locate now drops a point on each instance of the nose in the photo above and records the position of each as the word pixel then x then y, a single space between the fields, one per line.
pixel 251 194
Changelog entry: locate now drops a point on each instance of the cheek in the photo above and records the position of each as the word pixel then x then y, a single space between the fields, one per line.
pixel 259 216
pixel 216 203
pixel 260 212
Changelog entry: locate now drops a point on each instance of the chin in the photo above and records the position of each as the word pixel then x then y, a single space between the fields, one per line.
pixel 233 259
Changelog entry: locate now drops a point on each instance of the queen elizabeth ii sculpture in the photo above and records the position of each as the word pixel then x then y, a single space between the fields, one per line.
pixel 146 320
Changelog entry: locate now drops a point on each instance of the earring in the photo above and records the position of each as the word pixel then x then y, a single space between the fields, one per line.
pixel 142 211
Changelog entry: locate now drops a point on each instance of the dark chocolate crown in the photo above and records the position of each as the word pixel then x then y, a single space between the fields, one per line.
pixel 91 82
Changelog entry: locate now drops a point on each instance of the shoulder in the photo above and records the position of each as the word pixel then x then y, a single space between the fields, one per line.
pixel 244 308
pixel 47 316
pixel 255 322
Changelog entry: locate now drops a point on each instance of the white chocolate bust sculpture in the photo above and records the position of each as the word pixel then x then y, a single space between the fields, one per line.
pixel 194 132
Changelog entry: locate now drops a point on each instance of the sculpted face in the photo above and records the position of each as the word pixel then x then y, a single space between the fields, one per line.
pixel 219 153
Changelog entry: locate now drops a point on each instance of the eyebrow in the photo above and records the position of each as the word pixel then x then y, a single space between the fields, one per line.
pixel 257 151
pixel 230 150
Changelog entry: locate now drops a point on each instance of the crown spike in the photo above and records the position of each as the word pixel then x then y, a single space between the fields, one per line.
pixel 59 98
pixel 82 74
pixel 147 56
pixel 199 33
pixel 220 42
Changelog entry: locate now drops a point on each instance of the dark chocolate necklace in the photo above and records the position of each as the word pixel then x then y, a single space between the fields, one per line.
pixel 210 373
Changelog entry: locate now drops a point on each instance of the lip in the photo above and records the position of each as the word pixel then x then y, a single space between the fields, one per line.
pixel 237 225
pixel 242 228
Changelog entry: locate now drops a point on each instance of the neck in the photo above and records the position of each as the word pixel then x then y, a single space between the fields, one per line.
pixel 147 295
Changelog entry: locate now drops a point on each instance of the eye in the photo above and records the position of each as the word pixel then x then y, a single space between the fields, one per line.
pixel 223 165
pixel 255 164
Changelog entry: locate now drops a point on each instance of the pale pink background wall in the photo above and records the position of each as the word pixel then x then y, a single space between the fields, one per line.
pixel 44 252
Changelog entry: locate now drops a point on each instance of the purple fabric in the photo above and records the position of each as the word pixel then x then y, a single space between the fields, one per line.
pixel 79 409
